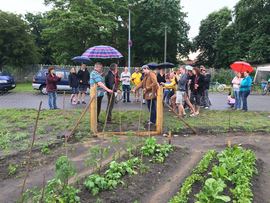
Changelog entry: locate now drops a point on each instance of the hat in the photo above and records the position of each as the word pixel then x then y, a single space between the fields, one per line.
pixel 145 67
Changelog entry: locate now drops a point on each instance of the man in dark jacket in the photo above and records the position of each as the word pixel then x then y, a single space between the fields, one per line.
pixel 111 82
pixel 84 77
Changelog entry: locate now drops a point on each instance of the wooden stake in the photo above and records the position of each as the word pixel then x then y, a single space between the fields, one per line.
pixel 229 143
pixel 93 110
pixel 30 150
pixel 193 130
pixel 159 122
pixel 170 137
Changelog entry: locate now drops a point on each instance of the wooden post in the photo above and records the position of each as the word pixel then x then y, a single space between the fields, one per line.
pixel 93 109
pixel 159 122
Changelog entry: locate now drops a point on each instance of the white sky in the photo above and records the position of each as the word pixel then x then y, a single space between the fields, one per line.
pixel 196 9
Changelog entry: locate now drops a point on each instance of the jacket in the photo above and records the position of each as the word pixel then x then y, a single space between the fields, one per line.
pixel 160 78
pixel 182 83
pixel 246 84
pixel 73 80
pixel 110 81
pixel 150 84
pixel 84 76
pixel 200 82
pixel 172 85
pixel 207 80
pixel 51 82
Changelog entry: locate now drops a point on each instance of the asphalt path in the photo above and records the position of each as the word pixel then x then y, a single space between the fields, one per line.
pixel 31 100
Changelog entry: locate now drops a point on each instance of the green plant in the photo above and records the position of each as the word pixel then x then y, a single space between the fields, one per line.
pixel 64 169
pixel 96 156
pixel 211 192
pixel 45 149
pixel 12 169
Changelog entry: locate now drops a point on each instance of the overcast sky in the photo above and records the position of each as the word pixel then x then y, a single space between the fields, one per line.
pixel 196 9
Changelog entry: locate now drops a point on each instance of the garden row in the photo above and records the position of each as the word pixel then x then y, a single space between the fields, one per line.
pixel 220 177
pixel 105 178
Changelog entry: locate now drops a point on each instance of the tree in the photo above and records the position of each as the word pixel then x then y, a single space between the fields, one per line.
pixel 209 32
pixel 150 19
pixel 17 45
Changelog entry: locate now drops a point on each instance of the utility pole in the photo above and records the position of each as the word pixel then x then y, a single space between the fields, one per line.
pixel 165 45
pixel 129 39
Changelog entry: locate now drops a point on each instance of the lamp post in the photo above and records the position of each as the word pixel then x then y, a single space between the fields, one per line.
pixel 129 39
pixel 165 45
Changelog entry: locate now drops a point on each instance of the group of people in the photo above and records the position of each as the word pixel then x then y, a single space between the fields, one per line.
pixel 182 88
pixel 242 83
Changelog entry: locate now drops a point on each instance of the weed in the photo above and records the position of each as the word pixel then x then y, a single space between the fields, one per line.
pixel 45 149
pixel 12 169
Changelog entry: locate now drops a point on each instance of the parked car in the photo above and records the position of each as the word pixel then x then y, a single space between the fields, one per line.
pixel 7 82
pixel 39 80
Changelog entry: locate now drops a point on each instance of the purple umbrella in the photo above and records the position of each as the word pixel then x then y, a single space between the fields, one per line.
pixel 102 52
pixel 81 59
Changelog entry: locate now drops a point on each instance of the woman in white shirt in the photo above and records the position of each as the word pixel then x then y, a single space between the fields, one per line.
pixel 236 90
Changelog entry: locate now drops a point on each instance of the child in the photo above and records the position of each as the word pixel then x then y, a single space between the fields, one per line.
pixel 231 100
pixel 167 92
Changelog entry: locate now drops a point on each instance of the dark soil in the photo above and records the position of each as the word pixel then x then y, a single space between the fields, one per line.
pixel 257 183
pixel 136 187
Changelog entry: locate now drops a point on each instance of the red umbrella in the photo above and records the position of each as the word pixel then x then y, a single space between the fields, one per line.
pixel 241 66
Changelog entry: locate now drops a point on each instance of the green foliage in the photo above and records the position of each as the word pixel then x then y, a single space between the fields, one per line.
pixel 64 169
pixel 45 149
pixel 16 44
pixel 223 76
pixel 197 175
pixel 96 183
pixel 12 169
pixel 211 192
pixel 158 151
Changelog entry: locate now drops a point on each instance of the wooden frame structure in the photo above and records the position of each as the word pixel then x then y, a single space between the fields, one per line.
pixel 93 116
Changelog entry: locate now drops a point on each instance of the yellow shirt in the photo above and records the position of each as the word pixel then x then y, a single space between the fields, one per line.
pixel 136 78
pixel 172 85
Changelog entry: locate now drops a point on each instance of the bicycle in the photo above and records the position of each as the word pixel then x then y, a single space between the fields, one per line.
pixel 216 86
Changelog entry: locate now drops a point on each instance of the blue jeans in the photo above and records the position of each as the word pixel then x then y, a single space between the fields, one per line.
pixel 152 107
pixel 126 90
pixel 52 100
pixel 244 96
pixel 237 97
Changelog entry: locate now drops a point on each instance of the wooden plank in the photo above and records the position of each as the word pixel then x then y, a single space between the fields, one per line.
pixel 160 116
pixel 93 109
pixel 136 133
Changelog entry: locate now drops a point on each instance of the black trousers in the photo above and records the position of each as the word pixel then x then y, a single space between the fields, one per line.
pixel 99 101
pixel 110 106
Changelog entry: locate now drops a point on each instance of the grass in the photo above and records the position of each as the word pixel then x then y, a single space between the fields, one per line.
pixel 16 126
pixel 23 88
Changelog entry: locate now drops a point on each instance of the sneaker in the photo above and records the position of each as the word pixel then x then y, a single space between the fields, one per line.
pixel 150 123
pixel 206 107
pixel 196 113
pixel 192 115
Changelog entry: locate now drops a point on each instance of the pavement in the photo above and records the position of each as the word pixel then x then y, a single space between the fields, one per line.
pixel 31 100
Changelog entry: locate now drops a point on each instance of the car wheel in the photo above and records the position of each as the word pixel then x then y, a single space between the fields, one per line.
pixel 43 89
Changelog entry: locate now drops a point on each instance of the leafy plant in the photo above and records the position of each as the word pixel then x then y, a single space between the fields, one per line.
pixel 45 149
pixel 12 169
pixel 64 169
pixel 211 192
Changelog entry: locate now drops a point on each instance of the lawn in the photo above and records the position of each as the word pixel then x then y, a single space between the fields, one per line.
pixel 16 126
pixel 23 87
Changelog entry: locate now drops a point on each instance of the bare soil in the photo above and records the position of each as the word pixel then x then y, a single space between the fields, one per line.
pixel 153 186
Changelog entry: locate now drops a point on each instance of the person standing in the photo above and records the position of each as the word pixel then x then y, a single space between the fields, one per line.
pixel 150 87
pixel 51 87
pixel 196 87
pixel 125 78
pixel 236 90
pixel 84 77
pixel 96 78
pixel 111 82
pixel 74 84
pixel 206 103
pixel 136 79
pixel 245 88
pixel 161 76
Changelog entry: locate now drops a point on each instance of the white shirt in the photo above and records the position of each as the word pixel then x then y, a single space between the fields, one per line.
pixel 125 78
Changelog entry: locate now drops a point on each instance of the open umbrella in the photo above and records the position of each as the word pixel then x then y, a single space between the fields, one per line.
pixel 241 66
pixel 152 66
pixel 102 52
pixel 81 59
pixel 166 65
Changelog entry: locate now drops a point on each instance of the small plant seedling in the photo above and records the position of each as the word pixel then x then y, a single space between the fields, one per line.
pixel 64 169
pixel 12 169
pixel 45 149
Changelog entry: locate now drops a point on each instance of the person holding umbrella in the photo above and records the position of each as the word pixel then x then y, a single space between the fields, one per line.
pixel 83 76
pixel 150 87
pixel 245 88
pixel 96 78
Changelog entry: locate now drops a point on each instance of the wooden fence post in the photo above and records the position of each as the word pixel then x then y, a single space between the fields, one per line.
pixel 93 109
pixel 160 117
